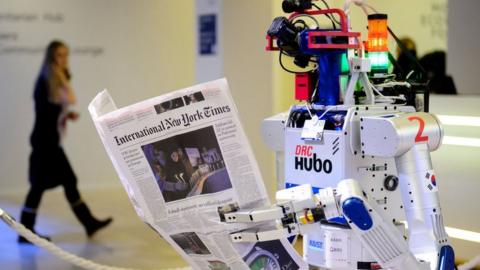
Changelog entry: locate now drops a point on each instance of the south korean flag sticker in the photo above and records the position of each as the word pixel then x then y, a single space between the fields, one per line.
pixel 431 181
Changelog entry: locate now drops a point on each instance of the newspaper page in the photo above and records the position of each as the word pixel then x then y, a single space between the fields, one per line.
pixel 182 158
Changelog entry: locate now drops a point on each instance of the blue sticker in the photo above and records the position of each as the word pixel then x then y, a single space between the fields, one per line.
pixel 315 245
pixel 207 36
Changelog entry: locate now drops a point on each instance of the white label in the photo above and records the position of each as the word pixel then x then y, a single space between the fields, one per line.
pixel 313 129
pixel 336 249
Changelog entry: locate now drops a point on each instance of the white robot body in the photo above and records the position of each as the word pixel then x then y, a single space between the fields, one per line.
pixel 377 146
pixel 324 164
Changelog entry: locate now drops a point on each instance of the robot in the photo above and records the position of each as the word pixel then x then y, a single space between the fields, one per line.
pixel 356 155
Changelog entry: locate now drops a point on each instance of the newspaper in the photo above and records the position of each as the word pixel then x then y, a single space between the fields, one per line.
pixel 182 158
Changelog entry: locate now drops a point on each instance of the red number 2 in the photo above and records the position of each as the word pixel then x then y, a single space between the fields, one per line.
pixel 419 137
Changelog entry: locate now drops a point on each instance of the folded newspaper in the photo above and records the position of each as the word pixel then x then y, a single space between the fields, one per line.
pixel 183 158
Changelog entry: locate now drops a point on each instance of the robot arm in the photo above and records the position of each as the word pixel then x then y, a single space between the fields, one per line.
pixel 410 138
pixel 379 236
pixel 298 209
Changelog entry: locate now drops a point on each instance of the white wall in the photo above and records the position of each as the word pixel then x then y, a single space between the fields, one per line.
pixel 248 68
pixel 147 50
pixel 463 56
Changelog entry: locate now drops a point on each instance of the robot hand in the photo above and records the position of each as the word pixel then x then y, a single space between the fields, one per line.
pixel 296 209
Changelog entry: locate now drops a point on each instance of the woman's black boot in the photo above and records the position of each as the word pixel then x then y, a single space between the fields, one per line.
pixel 89 222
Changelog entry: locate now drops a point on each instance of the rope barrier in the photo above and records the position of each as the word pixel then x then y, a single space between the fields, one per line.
pixel 57 251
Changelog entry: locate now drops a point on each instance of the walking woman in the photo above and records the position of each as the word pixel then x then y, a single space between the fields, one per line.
pixel 49 166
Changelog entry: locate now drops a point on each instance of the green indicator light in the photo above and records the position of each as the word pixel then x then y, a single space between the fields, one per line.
pixel 379 61
pixel 344 68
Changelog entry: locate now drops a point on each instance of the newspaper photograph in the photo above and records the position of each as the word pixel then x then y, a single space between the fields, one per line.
pixel 184 159
pixel 182 164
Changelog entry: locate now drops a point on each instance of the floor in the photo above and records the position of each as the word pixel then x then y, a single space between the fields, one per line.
pixel 126 243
